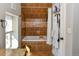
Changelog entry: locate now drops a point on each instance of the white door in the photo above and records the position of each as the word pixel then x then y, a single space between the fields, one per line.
pixel 11 31
pixel 8 31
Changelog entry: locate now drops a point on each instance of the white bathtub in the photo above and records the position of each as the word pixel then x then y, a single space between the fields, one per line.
pixel 34 38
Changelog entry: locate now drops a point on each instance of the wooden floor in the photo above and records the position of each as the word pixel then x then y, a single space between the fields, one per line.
pixel 12 52
pixel 41 54
pixel 38 48
pixel 2 52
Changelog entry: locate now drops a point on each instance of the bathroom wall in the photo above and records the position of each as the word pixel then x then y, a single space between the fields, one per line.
pixel 36 5
pixel 72 29
pixel 33 15
pixel 69 29
pixel 6 7
pixel 66 29
pixel 75 48
pixel 35 12
pixel 71 38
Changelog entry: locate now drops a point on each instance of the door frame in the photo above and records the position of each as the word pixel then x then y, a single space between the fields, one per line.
pixel 49 22
pixel 63 28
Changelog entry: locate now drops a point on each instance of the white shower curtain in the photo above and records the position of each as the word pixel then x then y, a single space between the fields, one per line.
pixel 55 36
pixel 55 32
pixel 55 29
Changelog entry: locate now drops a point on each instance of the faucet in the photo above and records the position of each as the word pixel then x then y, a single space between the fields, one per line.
pixel 28 51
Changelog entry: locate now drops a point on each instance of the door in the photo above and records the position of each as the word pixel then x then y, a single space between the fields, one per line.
pixel 11 31
pixel 8 31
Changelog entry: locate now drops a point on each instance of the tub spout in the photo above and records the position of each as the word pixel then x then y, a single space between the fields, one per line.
pixel 28 51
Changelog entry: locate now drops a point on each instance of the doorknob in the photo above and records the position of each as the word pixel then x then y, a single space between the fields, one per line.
pixel 61 38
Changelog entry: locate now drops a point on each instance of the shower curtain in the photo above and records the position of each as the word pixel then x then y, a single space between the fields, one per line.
pixel 56 30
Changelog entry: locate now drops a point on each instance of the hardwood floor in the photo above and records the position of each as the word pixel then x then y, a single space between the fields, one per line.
pixel 38 48
pixel 12 52
pixel 41 53
pixel 2 52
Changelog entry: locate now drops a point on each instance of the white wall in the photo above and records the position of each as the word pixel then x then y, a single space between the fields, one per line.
pixel 66 29
pixel 71 40
pixel 69 29
pixel 75 48
pixel 6 7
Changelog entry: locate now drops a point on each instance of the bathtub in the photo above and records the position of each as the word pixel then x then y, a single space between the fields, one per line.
pixel 34 38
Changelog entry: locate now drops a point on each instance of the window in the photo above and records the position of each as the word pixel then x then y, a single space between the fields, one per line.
pixel 8 23
pixel 11 31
